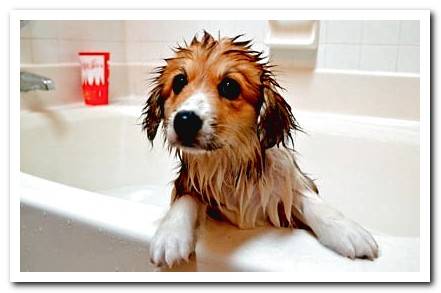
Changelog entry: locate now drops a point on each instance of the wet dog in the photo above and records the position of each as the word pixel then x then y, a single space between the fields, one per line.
pixel 223 116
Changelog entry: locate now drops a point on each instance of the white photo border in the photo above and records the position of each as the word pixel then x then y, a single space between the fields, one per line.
pixel 422 15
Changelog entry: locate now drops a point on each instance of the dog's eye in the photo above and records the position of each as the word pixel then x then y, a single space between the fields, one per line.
pixel 179 82
pixel 229 88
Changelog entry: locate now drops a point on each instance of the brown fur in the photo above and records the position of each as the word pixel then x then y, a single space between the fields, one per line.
pixel 237 164
pixel 250 175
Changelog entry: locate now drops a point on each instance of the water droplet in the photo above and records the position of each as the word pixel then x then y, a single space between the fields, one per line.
pixel 69 222
pixel 45 214
pixel 116 269
pixel 40 229
pixel 100 230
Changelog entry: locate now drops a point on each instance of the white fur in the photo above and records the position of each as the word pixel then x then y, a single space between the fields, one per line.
pixel 281 193
pixel 335 230
pixel 199 104
pixel 249 205
pixel 175 239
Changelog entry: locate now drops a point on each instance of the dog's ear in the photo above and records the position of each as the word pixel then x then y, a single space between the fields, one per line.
pixel 275 121
pixel 153 111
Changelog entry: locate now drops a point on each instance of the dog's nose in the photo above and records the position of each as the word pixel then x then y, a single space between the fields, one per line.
pixel 187 124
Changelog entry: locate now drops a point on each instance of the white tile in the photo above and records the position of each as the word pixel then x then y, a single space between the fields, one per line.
pixel 322 32
pixel 163 30
pixel 408 59
pixel 135 30
pixel 117 50
pixel 321 56
pixel 133 51
pixel 381 32
pixel 252 29
pixel 25 51
pixel 92 30
pixel 68 50
pixel 343 31
pixel 156 51
pixel 177 31
pixel 45 29
pixel 45 50
pixel 26 31
pixel 72 30
pixel 224 28
pixel 342 56
pixel 378 58
pixel 409 32
pixel 186 30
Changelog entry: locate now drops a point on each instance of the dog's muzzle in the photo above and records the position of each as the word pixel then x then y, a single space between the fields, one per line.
pixel 187 125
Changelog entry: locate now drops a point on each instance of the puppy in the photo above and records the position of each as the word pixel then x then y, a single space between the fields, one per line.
pixel 223 116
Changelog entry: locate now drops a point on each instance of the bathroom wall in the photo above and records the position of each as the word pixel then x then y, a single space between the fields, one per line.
pixel 386 45
pixel 390 46
pixel 55 41
pixel 148 41
pixel 59 41
pixel 50 48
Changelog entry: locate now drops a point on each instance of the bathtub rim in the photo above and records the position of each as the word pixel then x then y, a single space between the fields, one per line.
pixel 65 204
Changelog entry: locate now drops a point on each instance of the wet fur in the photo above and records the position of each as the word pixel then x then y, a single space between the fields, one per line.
pixel 247 173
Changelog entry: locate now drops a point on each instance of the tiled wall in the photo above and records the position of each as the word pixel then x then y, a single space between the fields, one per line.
pixel 54 41
pixel 151 40
pixel 387 45
pixel 391 46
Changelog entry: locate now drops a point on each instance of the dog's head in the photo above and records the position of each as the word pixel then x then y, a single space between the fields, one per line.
pixel 217 93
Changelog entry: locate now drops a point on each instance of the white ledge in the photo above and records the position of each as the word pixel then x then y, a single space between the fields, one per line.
pixel 221 247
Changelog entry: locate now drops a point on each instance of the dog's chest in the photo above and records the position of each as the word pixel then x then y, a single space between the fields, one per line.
pixel 249 202
pixel 240 203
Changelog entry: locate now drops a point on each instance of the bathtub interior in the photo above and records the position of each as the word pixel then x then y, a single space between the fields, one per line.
pixel 368 170
pixel 95 149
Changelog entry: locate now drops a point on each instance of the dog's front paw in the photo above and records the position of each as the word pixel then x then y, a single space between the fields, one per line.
pixel 348 239
pixel 171 246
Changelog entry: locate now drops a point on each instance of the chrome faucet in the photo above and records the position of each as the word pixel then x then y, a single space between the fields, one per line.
pixel 31 82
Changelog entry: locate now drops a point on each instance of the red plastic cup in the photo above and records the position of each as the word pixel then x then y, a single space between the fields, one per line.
pixel 95 77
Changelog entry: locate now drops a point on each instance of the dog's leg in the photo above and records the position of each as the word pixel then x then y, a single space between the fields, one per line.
pixel 334 230
pixel 175 239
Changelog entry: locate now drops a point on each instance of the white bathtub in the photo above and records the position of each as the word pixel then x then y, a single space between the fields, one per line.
pixel 93 191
